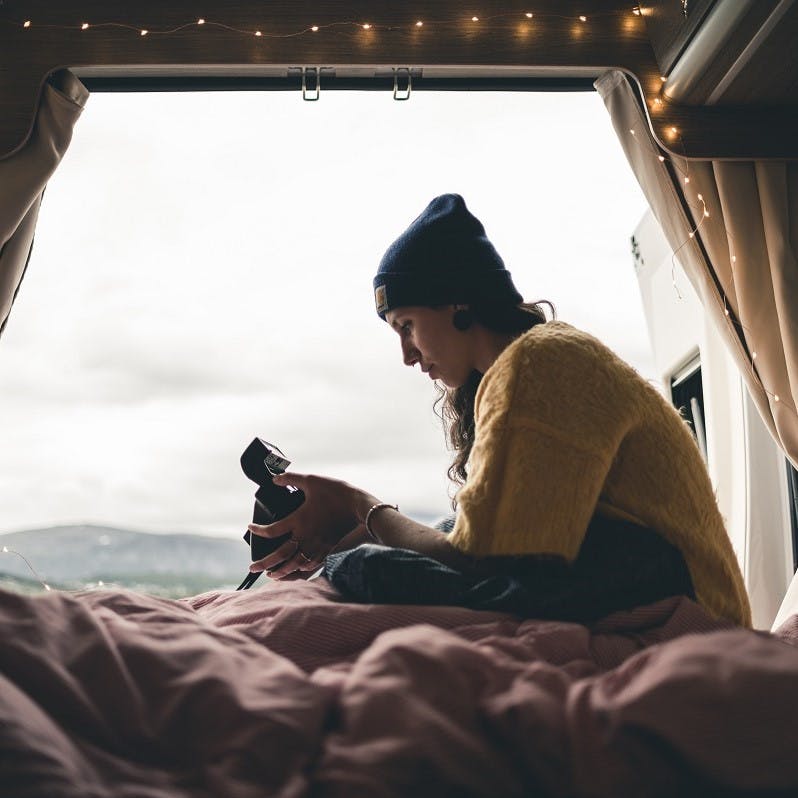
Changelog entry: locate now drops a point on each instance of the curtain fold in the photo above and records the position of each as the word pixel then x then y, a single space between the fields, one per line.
pixel 24 176
pixel 733 225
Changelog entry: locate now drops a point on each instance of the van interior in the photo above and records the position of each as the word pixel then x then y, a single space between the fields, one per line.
pixel 703 97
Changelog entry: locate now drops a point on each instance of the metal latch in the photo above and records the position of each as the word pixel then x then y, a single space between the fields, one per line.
pixel 311 80
pixel 315 74
pixel 408 87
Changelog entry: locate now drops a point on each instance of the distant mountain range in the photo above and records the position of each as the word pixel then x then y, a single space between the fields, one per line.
pixel 173 566
pixel 81 556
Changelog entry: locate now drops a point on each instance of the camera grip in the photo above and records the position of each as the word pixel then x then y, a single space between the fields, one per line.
pixel 271 504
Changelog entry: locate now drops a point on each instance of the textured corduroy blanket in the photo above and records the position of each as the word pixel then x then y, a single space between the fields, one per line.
pixel 288 691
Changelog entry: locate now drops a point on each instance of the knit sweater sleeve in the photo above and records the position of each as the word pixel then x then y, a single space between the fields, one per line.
pixel 549 422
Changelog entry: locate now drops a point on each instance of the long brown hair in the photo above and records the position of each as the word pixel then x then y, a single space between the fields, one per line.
pixel 456 406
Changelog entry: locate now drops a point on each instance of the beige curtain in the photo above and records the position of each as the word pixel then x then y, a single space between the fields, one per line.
pixel 741 258
pixel 24 175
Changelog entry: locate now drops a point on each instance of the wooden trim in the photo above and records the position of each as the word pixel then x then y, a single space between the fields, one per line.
pixel 554 42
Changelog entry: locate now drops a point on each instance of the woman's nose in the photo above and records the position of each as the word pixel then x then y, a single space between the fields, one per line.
pixel 410 355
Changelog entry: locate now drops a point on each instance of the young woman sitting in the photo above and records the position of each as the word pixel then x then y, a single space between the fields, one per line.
pixel 582 490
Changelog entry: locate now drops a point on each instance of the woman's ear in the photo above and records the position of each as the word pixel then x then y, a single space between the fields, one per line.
pixel 462 318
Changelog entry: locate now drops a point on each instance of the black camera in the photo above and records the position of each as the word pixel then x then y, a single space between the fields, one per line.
pixel 261 461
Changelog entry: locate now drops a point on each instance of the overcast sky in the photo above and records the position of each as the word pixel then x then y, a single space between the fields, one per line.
pixel 202 274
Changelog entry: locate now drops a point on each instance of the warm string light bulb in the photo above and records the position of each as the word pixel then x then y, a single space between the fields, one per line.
pixel 26 24
pixel 475 19
pixel 144 32
pixel 704 214
pixel 366 26
pixel 200 21
pixel 529 15
pixel 583 19
pixel 84 26
pixel 315 28
pixel 419 24
pixel 258 33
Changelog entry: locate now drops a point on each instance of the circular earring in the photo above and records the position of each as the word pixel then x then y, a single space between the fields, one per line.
pixel 462 319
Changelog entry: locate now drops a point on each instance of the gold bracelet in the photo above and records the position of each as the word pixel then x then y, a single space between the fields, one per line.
pixel 373 509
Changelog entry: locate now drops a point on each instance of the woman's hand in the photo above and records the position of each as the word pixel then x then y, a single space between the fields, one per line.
pixel 331 510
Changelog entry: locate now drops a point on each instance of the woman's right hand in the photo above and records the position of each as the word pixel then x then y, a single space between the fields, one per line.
pixel 331 510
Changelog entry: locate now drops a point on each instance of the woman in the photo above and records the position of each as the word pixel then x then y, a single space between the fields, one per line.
pixel 584 491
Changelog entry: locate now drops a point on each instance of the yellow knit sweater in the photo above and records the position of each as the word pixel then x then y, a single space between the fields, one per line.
pixel 565 430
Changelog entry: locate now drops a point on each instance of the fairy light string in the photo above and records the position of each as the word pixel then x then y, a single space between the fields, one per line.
pixel 634 12
pixel 36 574
pixel 41 580
pixel 704 214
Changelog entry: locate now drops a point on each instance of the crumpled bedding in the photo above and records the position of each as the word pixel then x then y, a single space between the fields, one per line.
pixel 289 691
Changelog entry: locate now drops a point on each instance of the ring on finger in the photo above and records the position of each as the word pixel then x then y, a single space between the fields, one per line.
pixel 303 555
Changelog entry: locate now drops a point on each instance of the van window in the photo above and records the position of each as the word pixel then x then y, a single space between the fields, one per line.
pixel 687 395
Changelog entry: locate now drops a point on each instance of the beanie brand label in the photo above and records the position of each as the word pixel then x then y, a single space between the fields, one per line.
pixel 381 298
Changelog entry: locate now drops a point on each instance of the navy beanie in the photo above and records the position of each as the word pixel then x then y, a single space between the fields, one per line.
pixel 443 258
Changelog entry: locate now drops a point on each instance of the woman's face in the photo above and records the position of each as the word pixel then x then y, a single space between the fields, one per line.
pixel 429 338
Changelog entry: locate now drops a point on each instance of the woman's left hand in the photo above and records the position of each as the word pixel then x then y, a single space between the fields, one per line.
pixel 331 510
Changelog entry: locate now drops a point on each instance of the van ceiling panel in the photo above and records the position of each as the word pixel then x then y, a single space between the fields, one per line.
pixel 734 38
pixel 103 39
pixel 767 72
pixel 671 26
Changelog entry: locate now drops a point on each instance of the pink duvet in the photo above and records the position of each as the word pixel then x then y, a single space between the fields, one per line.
pixel 288 691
